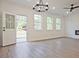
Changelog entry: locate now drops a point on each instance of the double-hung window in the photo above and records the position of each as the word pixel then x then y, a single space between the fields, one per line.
pixel 58 24
pixel 37 22
pixel 49 23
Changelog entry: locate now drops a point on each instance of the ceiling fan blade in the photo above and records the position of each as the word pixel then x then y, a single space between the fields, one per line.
pixel 66 8
pixel 76 7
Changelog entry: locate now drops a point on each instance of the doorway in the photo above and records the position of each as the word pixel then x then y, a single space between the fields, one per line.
pixel 21 28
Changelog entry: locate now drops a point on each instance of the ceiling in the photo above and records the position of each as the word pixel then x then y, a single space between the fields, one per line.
pixel 58 4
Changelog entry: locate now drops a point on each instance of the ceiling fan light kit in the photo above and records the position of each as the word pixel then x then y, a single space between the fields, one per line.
pixel 72 7
pixel 40 7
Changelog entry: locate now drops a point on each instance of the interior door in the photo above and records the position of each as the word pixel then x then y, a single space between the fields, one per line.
pixel 9 29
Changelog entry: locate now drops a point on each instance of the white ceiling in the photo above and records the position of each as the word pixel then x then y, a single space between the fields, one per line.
pixel 59 4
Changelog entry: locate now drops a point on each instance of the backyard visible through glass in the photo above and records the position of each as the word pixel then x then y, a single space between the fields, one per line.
pixel 21 31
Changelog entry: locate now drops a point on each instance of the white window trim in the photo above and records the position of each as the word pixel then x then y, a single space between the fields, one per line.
pixel 60 25
pixel 39 22
pixel 51 23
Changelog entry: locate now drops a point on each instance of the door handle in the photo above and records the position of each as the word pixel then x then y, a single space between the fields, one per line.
pixel 3 28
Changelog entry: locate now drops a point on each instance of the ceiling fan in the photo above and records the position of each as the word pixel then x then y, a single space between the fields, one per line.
pixel 72 7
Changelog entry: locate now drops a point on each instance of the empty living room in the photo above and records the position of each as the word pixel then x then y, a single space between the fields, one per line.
pixel 39 28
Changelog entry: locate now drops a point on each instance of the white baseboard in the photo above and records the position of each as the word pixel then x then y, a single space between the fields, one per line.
pixel 47 39
pixel 72 38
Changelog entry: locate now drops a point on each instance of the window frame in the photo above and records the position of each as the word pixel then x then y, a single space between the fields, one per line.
pixel 37 23
pixel 58 24
pixel 49 23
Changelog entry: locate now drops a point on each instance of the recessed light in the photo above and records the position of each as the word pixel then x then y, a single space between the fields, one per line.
pixel 53 8
pixel 46 3
pixel 37 2
pixel 67 12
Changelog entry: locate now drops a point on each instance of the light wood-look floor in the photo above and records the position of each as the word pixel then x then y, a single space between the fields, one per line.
pixel 56 48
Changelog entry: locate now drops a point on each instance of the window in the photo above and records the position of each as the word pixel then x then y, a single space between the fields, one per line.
pixel 58 24
pixel 49 23
pixel 10 21
pixel 37 22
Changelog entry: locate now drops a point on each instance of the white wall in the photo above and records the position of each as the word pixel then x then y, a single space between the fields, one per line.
pixel 0 29
pixel 0 23
pixel 44 34
pixel 72 23
pixel 32 34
